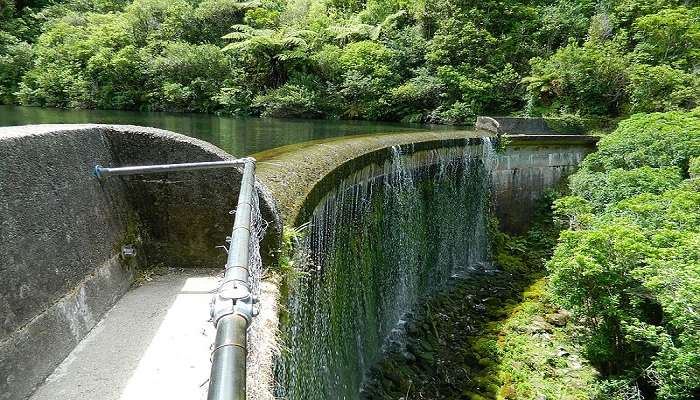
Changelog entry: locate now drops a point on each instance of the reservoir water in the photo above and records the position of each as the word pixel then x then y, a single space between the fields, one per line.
pixel 237 136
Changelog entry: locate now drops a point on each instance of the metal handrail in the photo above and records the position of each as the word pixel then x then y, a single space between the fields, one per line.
pixel 234 305
pixel 103 172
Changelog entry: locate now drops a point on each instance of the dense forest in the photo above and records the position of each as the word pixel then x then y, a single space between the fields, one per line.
pixel 628 266
pixel 442 61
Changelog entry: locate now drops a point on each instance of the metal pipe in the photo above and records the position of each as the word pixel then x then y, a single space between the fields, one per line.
pixel 233 304
pixel 101 172
pixel 228 372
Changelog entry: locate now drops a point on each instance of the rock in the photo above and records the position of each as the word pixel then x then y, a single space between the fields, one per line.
pixel 539 326
pixel 558 319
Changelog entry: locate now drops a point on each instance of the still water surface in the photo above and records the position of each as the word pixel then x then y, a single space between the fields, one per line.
pixel 238 136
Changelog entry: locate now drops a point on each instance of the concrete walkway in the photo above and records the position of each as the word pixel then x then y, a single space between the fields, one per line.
pixel 153 344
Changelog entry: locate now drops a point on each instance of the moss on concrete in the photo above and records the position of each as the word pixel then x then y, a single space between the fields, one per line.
pixel 551 140
pixel 292 172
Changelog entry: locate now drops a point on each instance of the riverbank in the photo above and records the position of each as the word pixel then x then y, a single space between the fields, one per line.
pixel 493 335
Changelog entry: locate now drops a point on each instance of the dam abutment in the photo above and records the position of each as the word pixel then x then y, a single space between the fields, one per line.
pixel 72 242
pixel 387 220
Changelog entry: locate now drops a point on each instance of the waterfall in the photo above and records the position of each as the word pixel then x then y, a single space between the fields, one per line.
pixel 383 239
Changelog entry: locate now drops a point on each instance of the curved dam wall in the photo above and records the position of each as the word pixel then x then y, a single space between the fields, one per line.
pixel 528 167
pixel 62 231
pixel 387 220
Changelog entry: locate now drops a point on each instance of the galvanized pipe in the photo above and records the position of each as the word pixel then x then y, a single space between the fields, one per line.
pixel 233 305
pixel 102 172
pixel 228 372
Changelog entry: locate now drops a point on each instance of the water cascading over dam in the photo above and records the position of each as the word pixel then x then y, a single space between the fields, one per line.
pixel 376 244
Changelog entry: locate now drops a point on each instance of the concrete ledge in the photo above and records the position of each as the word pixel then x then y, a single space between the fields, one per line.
pixel 30 353
pixel 62 229
pixel 558 140
pixel 541 126
pixel 299 175
pixel 293 173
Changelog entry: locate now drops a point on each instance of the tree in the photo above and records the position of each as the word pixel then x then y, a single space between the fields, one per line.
pixel 631 269
pixel 271 54
pixel 670 36
pixel 590 79
pixel 662 88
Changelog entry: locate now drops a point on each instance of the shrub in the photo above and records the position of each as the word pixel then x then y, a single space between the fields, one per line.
pixel 662 88
pixel 590 79
pixel 655 140
pixel 631 270
pixel 288 101
pixel 606 188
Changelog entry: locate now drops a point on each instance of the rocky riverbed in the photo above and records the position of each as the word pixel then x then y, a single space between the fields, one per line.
pixel 492 335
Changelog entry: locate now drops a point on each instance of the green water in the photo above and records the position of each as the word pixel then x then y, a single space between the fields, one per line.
pixel 237 136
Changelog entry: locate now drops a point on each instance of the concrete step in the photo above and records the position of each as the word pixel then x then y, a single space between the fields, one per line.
pixel 153 344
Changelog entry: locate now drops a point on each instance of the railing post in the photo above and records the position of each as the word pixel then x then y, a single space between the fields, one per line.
pixel 233 304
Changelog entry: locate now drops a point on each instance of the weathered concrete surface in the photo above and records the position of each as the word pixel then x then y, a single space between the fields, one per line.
pixel 291 173
pixel 530 166
pixel 540 126
pixel 61 228
pixel 153 344
pixel 30 353
pixel 58 228
pixel 184 213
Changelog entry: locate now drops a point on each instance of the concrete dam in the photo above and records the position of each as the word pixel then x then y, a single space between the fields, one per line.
pixel 358 231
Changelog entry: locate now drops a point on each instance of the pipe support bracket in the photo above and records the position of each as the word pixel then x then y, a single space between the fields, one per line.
pixel 234 297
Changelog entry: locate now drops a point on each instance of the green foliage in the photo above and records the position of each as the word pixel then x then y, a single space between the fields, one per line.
pixel 15 60
pixel 591 78
pixel 662 88
pixel 288 101
pixel 610 187
pixel 670 36
pixel 185 77
pixel 213 19
pixel 443 61
pixel 694 168
pixel 655 140
pixel 526 254
pixel 630 269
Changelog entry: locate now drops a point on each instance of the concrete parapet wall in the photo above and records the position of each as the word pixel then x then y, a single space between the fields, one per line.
pixel 298 175
pixel 530 166
pixel 62 231
pixel 541 126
